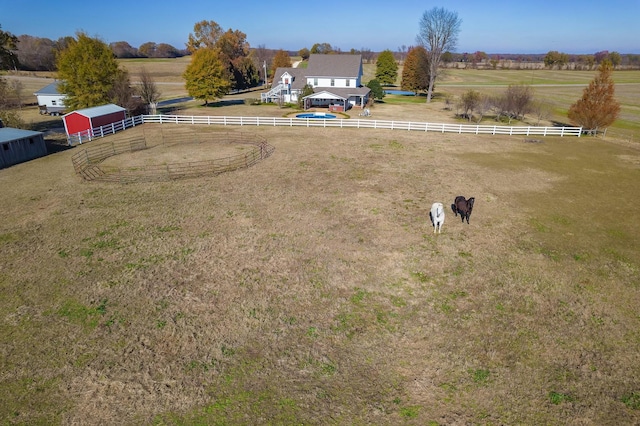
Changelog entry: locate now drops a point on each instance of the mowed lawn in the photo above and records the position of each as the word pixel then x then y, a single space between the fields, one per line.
pixel 310 288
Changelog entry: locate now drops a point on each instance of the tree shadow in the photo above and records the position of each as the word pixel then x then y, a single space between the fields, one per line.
pixel 55 146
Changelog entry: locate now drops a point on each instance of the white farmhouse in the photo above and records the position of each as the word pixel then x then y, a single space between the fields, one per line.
pixel 336 82
pixel 50 100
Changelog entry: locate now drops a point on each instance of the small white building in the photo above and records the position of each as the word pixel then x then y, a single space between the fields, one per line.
pixel 50 100
pixel 336 81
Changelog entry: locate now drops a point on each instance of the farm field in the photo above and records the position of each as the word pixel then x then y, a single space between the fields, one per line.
pixel 558 89
pixel 311 289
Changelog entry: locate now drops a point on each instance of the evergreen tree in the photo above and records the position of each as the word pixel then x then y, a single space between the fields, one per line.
pixel 415 73
pixel 386 68
pixel 377 92
pixel 206 76
pixel 88 72
pixel 597 109
pixel 306 91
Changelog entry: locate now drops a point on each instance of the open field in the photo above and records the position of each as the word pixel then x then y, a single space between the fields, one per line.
pixel 558 89
pixel 310 288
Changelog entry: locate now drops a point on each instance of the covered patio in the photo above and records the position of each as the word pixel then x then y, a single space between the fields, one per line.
pixel 338 99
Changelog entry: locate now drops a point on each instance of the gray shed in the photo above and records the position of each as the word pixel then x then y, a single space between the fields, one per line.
pixel 17 146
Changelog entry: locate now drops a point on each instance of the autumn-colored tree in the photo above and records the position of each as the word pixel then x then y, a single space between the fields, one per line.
pixel 233 50
pixel 280 60
pixel 148 49
pixel 598 108
pixel 36 53
pixel 554 59
pixel 438 34
pixel 205 35
pixel 8 43
pixel 321 48
pixel 165 50
pixel 615 58
pixel 386 68
pixel 122 49
pixel 206 76
pixel 415 73
pixel 88 71
pixel 304 53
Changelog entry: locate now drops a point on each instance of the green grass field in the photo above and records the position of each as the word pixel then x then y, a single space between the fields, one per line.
pixel 310 288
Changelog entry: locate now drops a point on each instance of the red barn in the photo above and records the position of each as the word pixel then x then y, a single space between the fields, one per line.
pixel 84 120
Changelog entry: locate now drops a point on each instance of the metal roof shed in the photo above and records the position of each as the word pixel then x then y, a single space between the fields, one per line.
pixel 84 120
pixel 50 100
pixel 17 146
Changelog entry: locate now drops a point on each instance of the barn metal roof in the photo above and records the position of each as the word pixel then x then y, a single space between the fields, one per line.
pixel 98 110
pixel 51 89
pixel 8 134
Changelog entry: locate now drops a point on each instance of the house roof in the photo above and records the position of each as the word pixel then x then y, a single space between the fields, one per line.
pixel 341 66
pixel 97 111
pixel 298 74
pixel 334 66
pixel 338 92
pixel 8 134
pixel 50 89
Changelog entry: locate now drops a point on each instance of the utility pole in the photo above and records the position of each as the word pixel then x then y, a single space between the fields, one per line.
pixel 264 66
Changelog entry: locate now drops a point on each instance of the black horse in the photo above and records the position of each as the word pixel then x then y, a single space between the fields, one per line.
pixel 463 206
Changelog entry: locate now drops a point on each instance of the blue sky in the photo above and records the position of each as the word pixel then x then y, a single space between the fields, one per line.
pixel 569 26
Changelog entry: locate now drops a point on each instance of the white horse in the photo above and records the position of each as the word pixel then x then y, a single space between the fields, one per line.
pixel 437 216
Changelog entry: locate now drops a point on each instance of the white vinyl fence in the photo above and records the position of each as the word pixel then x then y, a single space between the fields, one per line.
pixel 318 122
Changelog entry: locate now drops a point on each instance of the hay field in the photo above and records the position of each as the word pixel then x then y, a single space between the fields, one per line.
pixel 310 288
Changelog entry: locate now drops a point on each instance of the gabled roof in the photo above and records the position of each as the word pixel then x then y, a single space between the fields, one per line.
pixel 8 134
pixel 334 66
pixel 298 74
pixel 97 111
pixel 51 89
pixel 338 92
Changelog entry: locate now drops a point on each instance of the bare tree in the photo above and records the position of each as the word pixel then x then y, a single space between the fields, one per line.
pixel 483 106
pixel 17 88
pixel 148 91
pixel 439 30
pixel 540 110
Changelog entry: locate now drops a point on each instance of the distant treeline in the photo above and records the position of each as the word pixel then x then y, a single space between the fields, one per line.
pixel 39 54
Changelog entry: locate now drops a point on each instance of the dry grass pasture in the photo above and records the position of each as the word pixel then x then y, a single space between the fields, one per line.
pixel 310 288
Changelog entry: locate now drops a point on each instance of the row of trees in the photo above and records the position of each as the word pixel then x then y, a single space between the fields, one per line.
pixel 39 54
pixel 555 59
pixel 513 104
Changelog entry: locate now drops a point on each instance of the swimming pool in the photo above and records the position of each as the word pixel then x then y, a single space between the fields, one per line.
pixel 399 92
pixel 318 115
